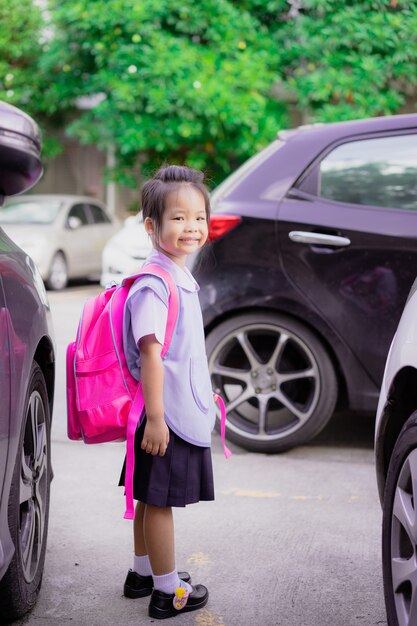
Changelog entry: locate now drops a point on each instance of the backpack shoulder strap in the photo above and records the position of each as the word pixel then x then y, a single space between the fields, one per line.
pixel 138 401
pixel 173 302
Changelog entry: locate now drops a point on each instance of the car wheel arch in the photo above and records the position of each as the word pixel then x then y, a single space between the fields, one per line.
pixel 64 271
pixel 401 403
pixel 45 358
pixel 59 251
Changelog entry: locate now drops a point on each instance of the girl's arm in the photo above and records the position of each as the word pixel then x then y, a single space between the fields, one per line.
pixel 156 435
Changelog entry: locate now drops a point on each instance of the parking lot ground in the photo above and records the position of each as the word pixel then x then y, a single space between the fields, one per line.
pixel 291 540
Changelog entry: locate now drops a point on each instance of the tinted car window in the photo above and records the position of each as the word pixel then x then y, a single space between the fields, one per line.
pixel 78 210
pixel 380 172
pixel 98 215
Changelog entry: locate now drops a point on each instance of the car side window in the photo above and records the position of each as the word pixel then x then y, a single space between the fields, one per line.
pixel 378 172
pixel 78 211
pixel 98 215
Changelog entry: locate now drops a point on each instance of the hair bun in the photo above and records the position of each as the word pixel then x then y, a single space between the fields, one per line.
pixel 179 174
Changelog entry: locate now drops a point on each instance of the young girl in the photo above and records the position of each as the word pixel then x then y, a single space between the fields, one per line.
pixel 172 444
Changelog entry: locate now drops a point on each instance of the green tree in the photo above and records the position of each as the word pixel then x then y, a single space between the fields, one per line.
pixel 23 40
pixel 347 59
pixel 20 49
pixel 193 82
pixel 181 82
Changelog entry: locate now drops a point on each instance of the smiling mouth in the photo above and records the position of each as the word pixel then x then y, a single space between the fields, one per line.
pixel 190 240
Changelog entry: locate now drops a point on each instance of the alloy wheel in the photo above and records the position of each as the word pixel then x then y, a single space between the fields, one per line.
pixel 58 273
pixel 404 542
pixel 34 486
pixel 269 378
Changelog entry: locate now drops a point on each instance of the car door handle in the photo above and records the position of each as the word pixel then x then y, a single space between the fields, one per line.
pixel 300 236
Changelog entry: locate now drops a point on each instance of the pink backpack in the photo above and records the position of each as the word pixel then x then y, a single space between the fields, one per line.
pixel 104 401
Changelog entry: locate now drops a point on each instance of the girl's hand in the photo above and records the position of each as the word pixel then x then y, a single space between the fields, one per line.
pixel 155 437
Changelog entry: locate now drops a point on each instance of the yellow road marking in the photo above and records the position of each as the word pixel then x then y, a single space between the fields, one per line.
pixel 248 493
pixel 199 558
pixel 244 493
pixel 206 618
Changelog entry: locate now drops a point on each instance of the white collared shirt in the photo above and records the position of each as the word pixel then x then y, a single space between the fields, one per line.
pixel 188 399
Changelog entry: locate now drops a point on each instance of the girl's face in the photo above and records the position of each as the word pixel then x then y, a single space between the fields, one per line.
pixel 184 226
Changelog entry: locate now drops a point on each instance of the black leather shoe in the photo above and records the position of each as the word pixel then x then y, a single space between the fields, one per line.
pixel 162 604
pixel 137 586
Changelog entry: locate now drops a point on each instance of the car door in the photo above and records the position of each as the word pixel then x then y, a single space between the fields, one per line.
pixel 78 240
pixel 102 228
pixel 348 238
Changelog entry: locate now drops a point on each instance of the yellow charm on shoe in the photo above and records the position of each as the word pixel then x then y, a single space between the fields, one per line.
pixel 180 598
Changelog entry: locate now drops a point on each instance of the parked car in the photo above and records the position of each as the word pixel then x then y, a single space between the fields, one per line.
pixel 64 234
pixel 27 373
pixel 125 252
pixel 313 253
pixel 396 465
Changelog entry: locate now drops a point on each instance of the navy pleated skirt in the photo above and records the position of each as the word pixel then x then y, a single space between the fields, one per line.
pixel 182 476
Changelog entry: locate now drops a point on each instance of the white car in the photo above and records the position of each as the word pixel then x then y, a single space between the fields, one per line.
pixel 64 234
pixel 125 252
pixel 396 463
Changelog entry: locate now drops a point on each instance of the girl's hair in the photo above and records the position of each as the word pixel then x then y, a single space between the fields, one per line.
pixel 170 178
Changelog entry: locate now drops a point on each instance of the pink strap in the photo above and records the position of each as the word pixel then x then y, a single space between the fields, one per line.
pixel 173 303
pixel 133 419
pixel 135 414
pixel 138 403
pixel 220 402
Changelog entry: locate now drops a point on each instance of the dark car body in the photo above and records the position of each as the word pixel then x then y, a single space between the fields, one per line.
pixel 327 238
pixel 27 372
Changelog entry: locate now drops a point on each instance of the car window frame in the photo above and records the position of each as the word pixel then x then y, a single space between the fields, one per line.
pixel 307 184
pixel 82 225
pixel 90 214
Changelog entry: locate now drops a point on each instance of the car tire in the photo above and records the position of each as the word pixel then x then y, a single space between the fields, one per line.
pixel 29 504
pixel 276 379
pixel 58 273
pixel 399 529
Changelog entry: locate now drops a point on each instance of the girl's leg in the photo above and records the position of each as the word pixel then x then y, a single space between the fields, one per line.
pixel 138 535
pixel 139 583
pixel 141 564
pixel 158 527
pixel 170 594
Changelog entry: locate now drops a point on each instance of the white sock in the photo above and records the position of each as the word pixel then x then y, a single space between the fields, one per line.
pixel 168 583
pixel 142 565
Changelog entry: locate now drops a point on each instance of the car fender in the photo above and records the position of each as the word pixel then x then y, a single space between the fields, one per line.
pixel 395 403
pixel 24 341
pixel 222 304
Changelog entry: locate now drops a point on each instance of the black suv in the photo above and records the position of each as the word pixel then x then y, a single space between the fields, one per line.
pixel 314 250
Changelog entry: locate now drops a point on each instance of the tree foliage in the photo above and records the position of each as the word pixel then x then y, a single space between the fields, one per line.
pixel 192 82
pixel 351 59
pixel 182 82
pixel 20 49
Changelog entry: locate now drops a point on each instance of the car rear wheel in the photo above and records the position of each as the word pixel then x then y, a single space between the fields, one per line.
pixel 29 504
pixel 276 379
pixel 58 273
pixel 399 529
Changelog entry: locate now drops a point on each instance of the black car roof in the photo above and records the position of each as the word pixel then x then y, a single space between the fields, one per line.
pixel 334 130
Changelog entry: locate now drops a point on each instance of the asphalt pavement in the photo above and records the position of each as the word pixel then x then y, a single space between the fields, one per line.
pixel 291 540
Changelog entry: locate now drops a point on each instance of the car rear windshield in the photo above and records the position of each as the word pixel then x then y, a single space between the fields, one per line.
pixel 30 212
pixel 232 181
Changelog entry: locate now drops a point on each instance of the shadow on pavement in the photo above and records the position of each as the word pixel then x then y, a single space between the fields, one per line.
pixel 348 430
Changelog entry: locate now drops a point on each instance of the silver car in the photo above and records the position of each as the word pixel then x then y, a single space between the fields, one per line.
pixel 396 464
pixel 27 374
pixel 64 234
